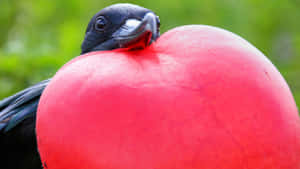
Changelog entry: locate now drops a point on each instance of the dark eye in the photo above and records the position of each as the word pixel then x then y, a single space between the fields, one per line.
pixel 101 23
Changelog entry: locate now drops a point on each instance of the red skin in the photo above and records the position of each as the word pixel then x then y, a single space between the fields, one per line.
pixel 199 98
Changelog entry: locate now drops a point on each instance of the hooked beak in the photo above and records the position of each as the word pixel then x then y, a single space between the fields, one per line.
pixel 136 34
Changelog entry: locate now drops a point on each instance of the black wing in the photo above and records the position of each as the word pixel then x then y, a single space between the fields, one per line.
pixel 15 109
pixel 17 129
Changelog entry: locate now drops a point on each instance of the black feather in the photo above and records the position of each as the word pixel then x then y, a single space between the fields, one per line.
pixel 19 148
pixel 17 129
pixel 16 108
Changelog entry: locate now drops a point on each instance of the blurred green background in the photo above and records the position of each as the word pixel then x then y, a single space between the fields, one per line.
pixel 38 36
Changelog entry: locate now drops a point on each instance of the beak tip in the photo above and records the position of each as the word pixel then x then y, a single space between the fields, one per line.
pixel 138 34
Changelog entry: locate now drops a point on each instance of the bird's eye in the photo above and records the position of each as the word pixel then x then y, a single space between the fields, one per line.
pixel 101 23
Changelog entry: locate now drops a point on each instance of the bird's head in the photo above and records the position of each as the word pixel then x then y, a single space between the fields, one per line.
pixel 121 26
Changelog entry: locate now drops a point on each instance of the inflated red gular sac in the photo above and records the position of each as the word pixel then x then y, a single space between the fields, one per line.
pixel 198 98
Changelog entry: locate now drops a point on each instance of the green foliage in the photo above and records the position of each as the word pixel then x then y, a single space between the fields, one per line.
pixel 39 36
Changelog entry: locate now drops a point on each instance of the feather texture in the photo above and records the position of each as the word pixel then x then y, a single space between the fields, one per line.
pixel 16 108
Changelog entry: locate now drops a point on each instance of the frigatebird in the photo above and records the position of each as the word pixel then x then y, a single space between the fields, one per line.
pixel 116 26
